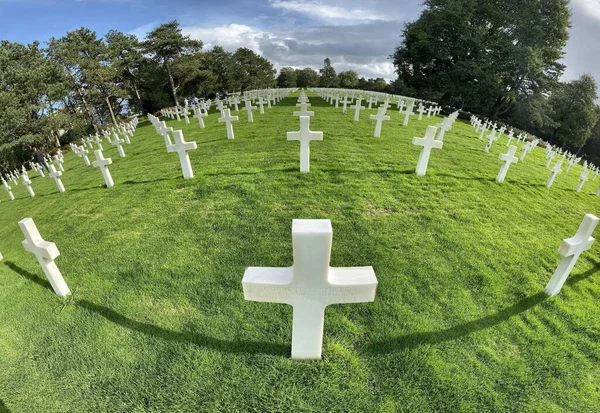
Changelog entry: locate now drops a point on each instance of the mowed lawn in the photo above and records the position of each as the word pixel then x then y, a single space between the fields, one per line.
pixel 158 322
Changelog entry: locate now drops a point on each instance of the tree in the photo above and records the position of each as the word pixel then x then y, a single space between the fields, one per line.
pixel 483 55
pixel 573 111
pixel 348 79
pixel 328 76
pixel 165 44
pixel 307 77
pixel 287 78
pixel 252 71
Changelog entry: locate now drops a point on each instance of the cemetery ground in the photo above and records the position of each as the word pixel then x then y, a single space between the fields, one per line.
pixel 158 322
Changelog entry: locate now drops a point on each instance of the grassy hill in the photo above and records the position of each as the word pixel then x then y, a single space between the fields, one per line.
pixel 158 322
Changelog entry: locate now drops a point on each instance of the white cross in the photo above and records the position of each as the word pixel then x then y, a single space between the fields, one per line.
pixel 84 154
pixel 371 101
pixel 429 111
pixel 508 158
pixel 185 112
pixel 8 189
pixel 119 144
pixel 227 118
pixel 181 147
pixel 54 174
pixel 164 131
pixel 27 183
pixel 303 111
pixel 198 115
pixel 46 252
pixel 583 178
pixel 261 104
pixel 444 126
pixel 310 285
pixel 345 104
pixel 407 115
pixel 59 163
pixel 428 143
pixel 305 135
pixel 555 171
pixel 357 108
pixel 491 139
pixel 380 117
pixel 249 109
pixel 102 163
pixel 421 111
pixel 571 249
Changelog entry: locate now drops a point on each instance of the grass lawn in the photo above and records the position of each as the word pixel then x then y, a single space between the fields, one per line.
pixel 158 323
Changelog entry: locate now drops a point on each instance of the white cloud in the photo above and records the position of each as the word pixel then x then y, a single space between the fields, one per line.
pixel 324 11
pixel 230 37
pixel 590 7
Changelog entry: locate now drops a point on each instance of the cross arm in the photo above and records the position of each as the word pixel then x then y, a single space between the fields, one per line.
pixel 47 250
pixel 353 285
pixel 268 284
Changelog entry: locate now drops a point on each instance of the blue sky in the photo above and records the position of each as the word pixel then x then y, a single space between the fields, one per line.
pixel 355 34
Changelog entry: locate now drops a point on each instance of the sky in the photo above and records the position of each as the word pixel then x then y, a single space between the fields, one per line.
pixel 355 35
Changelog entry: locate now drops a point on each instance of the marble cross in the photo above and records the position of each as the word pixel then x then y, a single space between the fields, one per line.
pixel 58 163
pixel 408 113
pixel 198 115
pixel 305 135
pixel 555 171
pixel 45 252
pixel 164 131
pixel 182 147
pixel 103 163
pixel 380 117
pixel 491 139
pixel 428 143
pixel 118 142
pixel 310 285
pixel 571 249
pixel 303 110
pixel 54 174
pixel 583 178
pixel 261 105
pixel 508 158
pixel 27 183
pixel 345 104
pixel 421 110
pixel 8 189
pixel 249 109
pixel 227 118
pixel 357 108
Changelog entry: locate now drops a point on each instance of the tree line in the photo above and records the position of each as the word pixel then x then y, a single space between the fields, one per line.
pixel 501 59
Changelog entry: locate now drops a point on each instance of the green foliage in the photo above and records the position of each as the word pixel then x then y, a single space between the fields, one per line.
pixel 307 77
pixel 158 320
pixel 288 77
pixel 252 71
pixel 328 75
pixel 348 79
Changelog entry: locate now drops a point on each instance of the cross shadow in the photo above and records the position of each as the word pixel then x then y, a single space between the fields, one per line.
pixel 462 330
pixel 30 276
pixel 435 337
pixel 3 408
pixel 245 347
pixel 466 178
pixel 145 182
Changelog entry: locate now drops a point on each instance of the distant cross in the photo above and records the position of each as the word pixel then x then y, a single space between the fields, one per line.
pixel 176 111
pixel 182 147
pixel 98 142
pixel 430 111
pixel 337 101
pixel 421 111
pixel 571 249
pixel 371 101
pixel 357 108
pixel 45 252
pixel 555 171
pixel 380 117
pixel 8 189
pixel 305 135
pixel 310 285
pixel 583 178
pixel 508 158
pixel 303 110
pixel 428 142
pixel 248 109
pixel 27 183
pixel 227 118
pixel 408 113
pixel 118 142
pixel 54 174
pixel 261 105
pixel 345 104
pixel 185 112
pixel 511 136
pixel 235 104
pixel 103 163
pixel 491 139
pixel 58 163
pixel 198 115
pixel 84 154
pixel 269 101
pixel 444 126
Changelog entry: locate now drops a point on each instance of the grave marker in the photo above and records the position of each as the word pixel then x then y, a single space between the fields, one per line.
pixel 305 135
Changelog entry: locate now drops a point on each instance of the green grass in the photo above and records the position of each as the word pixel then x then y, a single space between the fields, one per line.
pixel 158 322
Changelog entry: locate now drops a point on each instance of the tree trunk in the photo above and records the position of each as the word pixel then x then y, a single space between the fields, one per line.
pixel 112 114
pixel 496 107
pixel 172 85
pixel 85 105
pixel 139 98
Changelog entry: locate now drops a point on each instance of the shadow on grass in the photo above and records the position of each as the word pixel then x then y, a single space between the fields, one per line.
pixel 30 276
pixel 462 330
pixel 247 347
pixel 145 182
pixel 467 178
pixel 3 408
